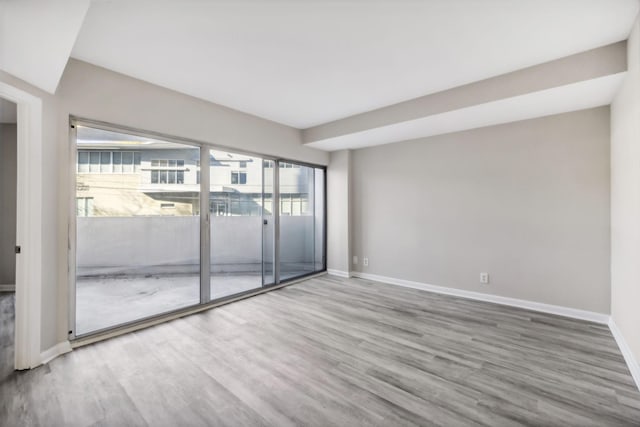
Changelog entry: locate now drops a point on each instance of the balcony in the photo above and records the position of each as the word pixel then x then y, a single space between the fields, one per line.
pixel 131 268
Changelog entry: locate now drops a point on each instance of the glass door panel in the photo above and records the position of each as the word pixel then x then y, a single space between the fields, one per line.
pixel 298 220
pixel 236 208
pixel 137 228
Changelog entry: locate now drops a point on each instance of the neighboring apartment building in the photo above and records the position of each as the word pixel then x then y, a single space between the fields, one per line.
pixel 148 178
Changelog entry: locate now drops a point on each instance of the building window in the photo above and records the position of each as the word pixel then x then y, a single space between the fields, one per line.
pixel 117 162
pixel 127 162
pixel 294 204
pixel 83 162
pixel 108 162
pixel 167 171
pixel 84 206
pixel 105 162
pixel 238 177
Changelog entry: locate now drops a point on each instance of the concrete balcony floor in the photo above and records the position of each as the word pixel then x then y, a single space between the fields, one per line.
pixel 103 302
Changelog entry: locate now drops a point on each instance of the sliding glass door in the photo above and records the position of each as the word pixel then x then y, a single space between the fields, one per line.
pixel 148 210
pixel 236 204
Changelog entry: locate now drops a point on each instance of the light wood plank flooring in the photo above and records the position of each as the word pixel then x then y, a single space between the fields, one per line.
pixel 342 352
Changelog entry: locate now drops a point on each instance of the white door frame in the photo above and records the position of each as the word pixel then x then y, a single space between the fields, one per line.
pixel 28 226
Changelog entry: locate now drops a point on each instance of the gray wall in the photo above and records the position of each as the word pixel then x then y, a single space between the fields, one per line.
pixel 338 196
pixel 625 201
pixel 527 202
pixel 7 203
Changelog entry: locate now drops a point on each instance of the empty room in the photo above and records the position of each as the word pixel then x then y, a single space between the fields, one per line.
pixel 320 213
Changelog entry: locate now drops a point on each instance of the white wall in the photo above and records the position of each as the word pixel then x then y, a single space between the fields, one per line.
pixel 8 140
pixel 527 202
pixel 625 201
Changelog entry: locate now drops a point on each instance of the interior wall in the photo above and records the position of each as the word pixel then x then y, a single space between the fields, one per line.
pixel 527 202
pixel 338 196
pixel 625 200
pixel 8 182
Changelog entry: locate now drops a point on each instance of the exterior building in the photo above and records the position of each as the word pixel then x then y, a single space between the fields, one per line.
pixel 148 178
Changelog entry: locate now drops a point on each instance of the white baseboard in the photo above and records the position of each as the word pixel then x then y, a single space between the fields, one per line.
pixel 55 351
pixel 7 288
pixel 632 363
pixel 530 305
pixel 339 273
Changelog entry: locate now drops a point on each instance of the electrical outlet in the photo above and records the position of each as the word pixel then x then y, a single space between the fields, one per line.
pixel 484 278
pixel 355 260
pixel 365 261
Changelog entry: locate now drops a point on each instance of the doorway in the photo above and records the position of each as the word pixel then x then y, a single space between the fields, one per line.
pixel 28 263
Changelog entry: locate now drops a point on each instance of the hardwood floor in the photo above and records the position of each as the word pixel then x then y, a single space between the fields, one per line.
pixel 342 352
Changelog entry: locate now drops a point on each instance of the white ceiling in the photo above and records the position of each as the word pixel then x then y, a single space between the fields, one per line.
pixel 36 38
pixel 303 63
pixel 8 111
